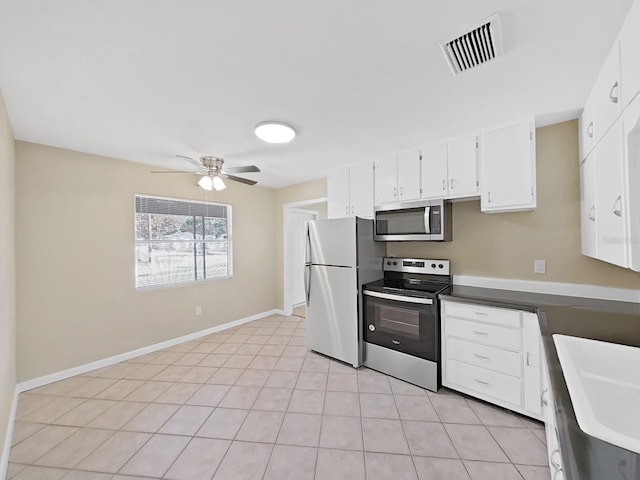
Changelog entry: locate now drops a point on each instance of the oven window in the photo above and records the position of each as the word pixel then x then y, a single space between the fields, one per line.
pixel 409 221
pixel 400 321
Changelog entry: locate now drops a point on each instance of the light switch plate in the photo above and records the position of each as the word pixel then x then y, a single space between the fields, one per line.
pixel 540 266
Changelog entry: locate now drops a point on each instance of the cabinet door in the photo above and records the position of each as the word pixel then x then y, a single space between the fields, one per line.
pixel 508 176
pixel 586 130
pixel 338 192
pixel 409 176
pixel 606 94
pixel 631 122
pixel 610 214
pixel 435 179
pixel 386 180
pixel 532 375
pixel 462 159
pixel 361 190
pixel 588 226
pixel 629 54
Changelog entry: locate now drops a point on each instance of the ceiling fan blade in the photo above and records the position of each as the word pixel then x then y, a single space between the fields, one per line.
pixel 247 169
pixel 192 160
pixel 246 181
pixel 176 171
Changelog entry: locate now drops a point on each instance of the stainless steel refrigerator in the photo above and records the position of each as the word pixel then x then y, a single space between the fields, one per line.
pixel 341 256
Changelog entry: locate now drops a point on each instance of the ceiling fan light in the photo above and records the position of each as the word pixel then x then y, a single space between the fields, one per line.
pixel 218 183
pixel 275 132
pixel 206 182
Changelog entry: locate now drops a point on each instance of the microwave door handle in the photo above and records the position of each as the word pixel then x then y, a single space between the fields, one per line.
pixel 427 220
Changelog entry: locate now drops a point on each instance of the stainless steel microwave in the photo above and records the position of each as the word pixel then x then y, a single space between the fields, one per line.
pixel 428 220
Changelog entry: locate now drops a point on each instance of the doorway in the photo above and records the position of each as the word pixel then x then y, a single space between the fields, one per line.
pixel 295 218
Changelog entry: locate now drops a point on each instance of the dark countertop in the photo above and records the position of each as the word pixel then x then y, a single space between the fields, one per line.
pixel 584 457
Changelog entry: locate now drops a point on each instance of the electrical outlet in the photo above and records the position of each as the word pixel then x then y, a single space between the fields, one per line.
pixel 198 311
pixel 540 266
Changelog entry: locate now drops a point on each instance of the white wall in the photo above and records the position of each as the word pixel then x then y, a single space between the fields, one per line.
pixel 7 273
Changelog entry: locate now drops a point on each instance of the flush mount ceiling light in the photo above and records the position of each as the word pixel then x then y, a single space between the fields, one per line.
pixel 275 132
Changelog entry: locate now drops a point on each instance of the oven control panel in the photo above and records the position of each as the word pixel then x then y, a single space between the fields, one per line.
pixel 416 265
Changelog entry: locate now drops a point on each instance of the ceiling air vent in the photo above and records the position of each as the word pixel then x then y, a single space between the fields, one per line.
pixel 474 48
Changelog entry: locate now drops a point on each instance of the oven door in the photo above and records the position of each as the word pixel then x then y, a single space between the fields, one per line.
pixel 406 324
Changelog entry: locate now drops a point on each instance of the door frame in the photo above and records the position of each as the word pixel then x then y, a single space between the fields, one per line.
pixel 287 260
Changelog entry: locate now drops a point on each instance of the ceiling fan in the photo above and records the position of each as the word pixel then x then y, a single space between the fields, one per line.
pixel 213 174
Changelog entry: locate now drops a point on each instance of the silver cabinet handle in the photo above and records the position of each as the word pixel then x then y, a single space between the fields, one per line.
pixel 346 209
pixel 528 362
pixel 444 184
pixel 352 209
pixel 612 97
pixel 451 184
pixel 617 210
pixel 483 357
pixel 402 191
pixel 395 191
pixel 480 333
pixel 592 214
pixel 484 314
pixel 488 197
pixel 482 382
pixel 590 130
pixel 543 401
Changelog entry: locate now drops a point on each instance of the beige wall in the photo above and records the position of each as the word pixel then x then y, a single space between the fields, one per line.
pixel 7 272
pixel 294 193
pixel 504 245
pixel 75 255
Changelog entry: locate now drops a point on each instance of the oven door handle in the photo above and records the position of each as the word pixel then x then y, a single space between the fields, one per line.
pixel 399 298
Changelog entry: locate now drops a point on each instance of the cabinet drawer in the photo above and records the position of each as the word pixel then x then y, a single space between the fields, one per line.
pixel 496 385
pixel 484 333
pixel 483 356
pixel 499 316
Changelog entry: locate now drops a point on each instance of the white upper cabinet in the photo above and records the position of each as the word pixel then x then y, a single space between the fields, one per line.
pixel 610 202
pixel 629 55
pixel 386 180
pixel 338 192
pixel 409 176
pixel 361 190
pixel 397 178
pixel 585 127
pixel 435 177
pixel 631 122
pixel 588 206
pixel 605 97
pixel 450 170
pixel 462 161
pixel 508 169
pixel 350 191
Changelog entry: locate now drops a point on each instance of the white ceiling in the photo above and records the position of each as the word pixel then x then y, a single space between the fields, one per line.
pixel 143 80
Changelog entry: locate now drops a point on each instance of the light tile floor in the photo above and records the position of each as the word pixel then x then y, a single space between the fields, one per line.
pixel 253 403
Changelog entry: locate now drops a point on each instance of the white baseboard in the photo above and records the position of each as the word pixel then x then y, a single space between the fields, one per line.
pixel 105 362
pixel 8 438
pixel 551 288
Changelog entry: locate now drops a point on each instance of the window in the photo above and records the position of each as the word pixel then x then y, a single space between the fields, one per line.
pixel 181 241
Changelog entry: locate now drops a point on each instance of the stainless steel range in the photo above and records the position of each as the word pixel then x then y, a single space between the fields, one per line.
pixel 401 315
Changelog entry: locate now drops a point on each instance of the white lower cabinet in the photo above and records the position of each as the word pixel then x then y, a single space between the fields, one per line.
pixel 493 354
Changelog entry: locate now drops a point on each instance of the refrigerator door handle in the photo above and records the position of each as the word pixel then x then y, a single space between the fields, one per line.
pixel 307 282
pixel 307 267
pixel 427 219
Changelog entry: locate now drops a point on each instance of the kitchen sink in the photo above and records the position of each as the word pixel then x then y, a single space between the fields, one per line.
pixel 604 384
